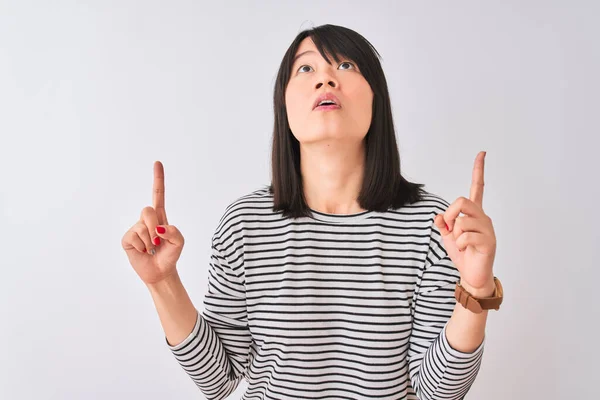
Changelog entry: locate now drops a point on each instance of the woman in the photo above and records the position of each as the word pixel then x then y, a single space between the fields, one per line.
pixel 338 280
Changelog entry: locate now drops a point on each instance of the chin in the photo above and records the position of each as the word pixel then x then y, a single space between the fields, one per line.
pixel 319 136
pixel 328 136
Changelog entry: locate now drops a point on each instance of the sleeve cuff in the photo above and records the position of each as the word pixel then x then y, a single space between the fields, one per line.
pixel 190 337
pixel 455 355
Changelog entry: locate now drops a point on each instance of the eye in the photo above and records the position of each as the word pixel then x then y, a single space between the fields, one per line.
pixel 351 66
pixel 307 66
pixel 348 63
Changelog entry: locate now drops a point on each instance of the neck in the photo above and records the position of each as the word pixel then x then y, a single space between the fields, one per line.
pixel 332 176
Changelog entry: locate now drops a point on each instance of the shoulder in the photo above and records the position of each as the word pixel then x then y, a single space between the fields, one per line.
pixel 256 201
pixel 428 203
pixel 431 205
pixel 255 206
pixel 433 201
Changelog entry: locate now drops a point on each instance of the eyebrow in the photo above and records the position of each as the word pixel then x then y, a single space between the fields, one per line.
pixel 300 55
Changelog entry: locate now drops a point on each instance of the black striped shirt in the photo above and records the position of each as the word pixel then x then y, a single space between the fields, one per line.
pixel 328 307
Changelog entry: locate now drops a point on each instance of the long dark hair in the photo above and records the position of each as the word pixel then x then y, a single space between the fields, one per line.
pixel 383 186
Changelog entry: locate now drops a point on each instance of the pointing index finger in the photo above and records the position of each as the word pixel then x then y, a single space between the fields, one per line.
pixel 477 180
pixel 158 193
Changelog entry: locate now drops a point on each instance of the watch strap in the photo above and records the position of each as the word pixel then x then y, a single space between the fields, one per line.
pixel 477 304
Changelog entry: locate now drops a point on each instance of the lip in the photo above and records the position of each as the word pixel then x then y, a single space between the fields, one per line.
pixel 327 107
pixel 327 96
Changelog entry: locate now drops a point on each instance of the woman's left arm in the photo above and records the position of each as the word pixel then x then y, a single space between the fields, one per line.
pixel 470 242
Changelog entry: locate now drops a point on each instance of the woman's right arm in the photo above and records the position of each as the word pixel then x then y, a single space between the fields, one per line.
pixel 215 350
pixel 153 248
pixel 212 347
pixel 175 309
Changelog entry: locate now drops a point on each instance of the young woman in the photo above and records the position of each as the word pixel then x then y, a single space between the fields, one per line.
pixel 341 279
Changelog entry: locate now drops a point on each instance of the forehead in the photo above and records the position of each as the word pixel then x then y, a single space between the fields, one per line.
pixel 307 45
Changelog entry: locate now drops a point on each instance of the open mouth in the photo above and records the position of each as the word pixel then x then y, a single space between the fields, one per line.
pixel 324 107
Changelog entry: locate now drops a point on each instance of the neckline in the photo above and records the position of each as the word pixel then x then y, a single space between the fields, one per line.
pixel 340 218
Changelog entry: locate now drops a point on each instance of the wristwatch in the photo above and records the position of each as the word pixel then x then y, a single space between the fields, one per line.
pixel 476 304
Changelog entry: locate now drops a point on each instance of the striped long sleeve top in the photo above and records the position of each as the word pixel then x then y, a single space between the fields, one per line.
pixel 328 307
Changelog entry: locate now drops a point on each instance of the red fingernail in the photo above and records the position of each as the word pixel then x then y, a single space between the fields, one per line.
pixel 157 241
pixel 160 229
pixel 446 226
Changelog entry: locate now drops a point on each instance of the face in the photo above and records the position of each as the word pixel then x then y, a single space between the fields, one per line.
pixel 311 77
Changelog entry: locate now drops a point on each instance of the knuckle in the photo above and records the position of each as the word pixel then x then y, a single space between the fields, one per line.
pixel 125 239
pixel 147 211
pixel 458 223
pixel 140 227
pixel 129 240
pixel 129 236
pixel 144 234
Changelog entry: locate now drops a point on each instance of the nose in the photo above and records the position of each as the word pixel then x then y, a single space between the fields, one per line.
pixel 330 81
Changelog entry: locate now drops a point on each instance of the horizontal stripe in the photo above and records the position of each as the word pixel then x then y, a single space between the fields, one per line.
pixel 328 307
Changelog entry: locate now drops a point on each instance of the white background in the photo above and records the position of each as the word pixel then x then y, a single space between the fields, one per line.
pixel 92 93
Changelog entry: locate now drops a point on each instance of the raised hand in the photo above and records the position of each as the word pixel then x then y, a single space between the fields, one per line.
pixel 151 244
pixel 470 240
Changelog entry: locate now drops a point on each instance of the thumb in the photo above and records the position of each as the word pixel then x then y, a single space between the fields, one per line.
pixel 171 234
pixel 441 224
